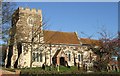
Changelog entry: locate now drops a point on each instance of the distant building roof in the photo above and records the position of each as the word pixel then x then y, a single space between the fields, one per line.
pixel 90 41
pixel 116 40
pixel 3 48
pixel 57 37
pixel 113 61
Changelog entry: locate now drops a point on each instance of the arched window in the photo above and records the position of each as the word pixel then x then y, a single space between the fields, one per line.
pixel 69 57
pixel 79 57
pixel 33 56
pixel 37 57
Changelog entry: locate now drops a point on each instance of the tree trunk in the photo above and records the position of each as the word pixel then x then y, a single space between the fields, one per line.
pixel 19 47
pixel 10 53
pixel 118 61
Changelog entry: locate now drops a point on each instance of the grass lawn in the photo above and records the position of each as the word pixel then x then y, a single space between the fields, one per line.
pixel 54 70
pixel 72 71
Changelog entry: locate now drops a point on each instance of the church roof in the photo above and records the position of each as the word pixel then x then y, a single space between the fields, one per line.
pixel 90 41
pixel 57 37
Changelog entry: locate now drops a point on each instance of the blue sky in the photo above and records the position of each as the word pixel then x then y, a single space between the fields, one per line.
pixel 87 17
pixel 61 0
pixel 119 18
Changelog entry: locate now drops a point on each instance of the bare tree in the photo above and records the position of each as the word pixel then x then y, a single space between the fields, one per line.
pixel 106 50
pixel 37 32
pixel 7 8
pixel 7 11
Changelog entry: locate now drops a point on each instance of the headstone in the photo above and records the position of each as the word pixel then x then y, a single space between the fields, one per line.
pixel 58 68
pixel 108 68
pixel 43 66
pixel 114 68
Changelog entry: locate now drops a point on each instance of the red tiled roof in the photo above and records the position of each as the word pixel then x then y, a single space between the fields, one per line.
pixel 113 62
pixel 57 37
pixel 90 41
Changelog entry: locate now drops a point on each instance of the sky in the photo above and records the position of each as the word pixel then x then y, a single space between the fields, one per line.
pixel 119 17
pixel 86 17
pixel 61 0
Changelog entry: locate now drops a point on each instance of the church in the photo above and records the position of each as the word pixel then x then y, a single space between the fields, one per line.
pixel 32 46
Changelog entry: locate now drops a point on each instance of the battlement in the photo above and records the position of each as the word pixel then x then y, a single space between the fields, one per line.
pixel 28 10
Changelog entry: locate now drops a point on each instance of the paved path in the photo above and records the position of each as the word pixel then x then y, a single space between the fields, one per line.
pixel 7 73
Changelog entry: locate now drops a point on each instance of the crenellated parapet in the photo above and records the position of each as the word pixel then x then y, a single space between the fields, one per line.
pixel 28 10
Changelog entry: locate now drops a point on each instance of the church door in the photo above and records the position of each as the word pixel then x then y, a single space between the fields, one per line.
pixel 62 61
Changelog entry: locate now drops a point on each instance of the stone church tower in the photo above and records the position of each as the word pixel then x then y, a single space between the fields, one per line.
pixel 26 21
pixel 25 25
